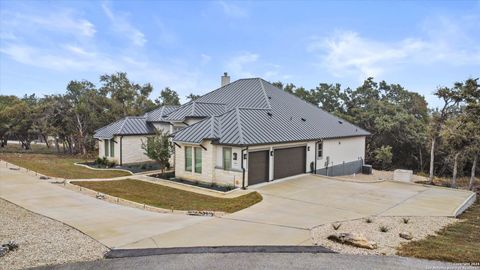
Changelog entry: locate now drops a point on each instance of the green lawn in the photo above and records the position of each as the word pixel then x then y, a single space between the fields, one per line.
pixel 458 242
pixel 168 198
pixel 57 165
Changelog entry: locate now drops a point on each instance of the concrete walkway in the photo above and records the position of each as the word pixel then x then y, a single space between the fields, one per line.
pixel 111 224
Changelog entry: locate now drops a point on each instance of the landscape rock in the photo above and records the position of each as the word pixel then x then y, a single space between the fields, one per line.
pixel 353 239
pixel 44 177
pixel 406 235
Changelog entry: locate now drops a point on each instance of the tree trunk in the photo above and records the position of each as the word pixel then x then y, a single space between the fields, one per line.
pixel 472 174
pixel 432 161
pixel 81 136
pixel 455 165
pixel 45 138
pixel 57 146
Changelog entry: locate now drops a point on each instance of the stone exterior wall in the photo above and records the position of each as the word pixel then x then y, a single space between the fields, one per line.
pixel 210 172
pixel 132 151
pixel 208 161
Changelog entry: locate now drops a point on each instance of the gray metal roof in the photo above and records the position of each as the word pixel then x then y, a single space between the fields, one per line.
pixel 196 109
pixel 260 113
pixel 158 115
pixel 130 125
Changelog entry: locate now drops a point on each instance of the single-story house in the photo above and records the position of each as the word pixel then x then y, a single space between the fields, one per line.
pixel 244 133
pixel 121 141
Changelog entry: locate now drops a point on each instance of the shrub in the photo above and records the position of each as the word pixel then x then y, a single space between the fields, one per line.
pixel 384 229
pixel 369 220
pixel 336 226
pixel 143 166
pixel 102 162
pixel 229 187
pixel 405 220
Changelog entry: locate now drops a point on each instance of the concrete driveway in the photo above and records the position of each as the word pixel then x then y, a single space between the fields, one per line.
pixel 290 208
pixel 112 225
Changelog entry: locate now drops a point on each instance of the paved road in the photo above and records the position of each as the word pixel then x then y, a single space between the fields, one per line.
pixel 252 261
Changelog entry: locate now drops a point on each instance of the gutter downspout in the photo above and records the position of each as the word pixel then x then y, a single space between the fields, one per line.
pixel 243 169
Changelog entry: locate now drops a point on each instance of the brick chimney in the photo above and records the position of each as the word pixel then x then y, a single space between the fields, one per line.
pixel 225 79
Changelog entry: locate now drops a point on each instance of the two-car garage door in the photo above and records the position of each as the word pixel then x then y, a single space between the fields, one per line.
pixel 286 162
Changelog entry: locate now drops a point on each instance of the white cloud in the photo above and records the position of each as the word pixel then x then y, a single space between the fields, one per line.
pixel 348 53
pixel 205 58
pixel 232 10
pixel 242 64
pixel 122 25
pixel 60 20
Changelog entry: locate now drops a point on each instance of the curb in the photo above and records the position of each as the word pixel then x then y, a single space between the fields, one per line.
pixel 102 169
pixel 125 253
pixel 465 205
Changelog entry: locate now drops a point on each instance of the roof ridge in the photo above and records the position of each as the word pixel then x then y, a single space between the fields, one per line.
pixel 265 93
pixel 204 102
pixel 193 107
pixel 121 127
pixel 239 123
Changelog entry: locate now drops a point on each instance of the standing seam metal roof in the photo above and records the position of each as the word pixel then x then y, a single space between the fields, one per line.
pixel 273 116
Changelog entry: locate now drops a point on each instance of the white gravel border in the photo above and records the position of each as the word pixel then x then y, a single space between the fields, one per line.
pixel 388 242
pixel 42 241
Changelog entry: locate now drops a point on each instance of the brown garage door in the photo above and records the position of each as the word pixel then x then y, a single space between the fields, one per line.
pixel 288 162
pixel 257 167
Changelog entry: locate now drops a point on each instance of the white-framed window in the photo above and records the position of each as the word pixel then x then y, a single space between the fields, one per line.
pixel 112 148
pixel 106 145
pixel 198 159
pixel 193 159
pixel 188 158
pixel 320 149
pixel 227 158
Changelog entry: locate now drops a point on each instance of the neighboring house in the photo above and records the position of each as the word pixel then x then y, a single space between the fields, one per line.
pixel 121 141
pixel 249 132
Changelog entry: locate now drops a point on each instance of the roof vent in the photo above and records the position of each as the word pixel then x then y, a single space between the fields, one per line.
pixel 269 113
pixel 340 122
pixel 225 79
pixel 269 97
pixel 303 119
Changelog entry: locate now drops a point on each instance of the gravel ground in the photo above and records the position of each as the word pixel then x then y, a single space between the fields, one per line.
pixel 42 241
pixel 419 227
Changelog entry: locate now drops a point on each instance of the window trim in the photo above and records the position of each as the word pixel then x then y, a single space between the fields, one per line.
pixel 112 148
pixel 320 150
pixel 186 158
pixel 106 145
pixel 195 151
pixel 223 158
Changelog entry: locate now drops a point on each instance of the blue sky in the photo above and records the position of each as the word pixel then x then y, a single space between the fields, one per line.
pixel 188 45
